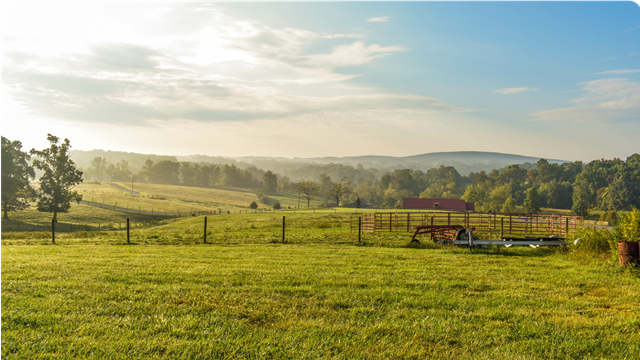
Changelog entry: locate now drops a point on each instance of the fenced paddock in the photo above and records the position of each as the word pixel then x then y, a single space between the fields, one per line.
pixel 299 227
pixel 487 226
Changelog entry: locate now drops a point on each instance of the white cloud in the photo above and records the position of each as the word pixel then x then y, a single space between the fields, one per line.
pixel 513 90
pixel 607 101
pixel 210 67
pixel 618 72
pixel 379 19
pixel 353 54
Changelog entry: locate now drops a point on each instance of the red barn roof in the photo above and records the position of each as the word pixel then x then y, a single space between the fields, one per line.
pixel 442 204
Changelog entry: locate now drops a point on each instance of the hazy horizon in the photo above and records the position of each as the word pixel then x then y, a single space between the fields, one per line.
pixel 556 80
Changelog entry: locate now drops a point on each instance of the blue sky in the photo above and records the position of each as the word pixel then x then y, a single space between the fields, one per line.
pixel 547 79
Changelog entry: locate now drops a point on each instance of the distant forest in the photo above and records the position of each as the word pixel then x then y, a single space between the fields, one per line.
pixel 608 185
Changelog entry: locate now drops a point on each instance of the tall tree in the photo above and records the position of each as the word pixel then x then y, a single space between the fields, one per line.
pixel 188 172
pixel 284 183
pixel 270 182
pixel 325 186
pixel 98 167
pixel 531 202
pixel 308 188
pixel 340 189
pixel 121 171
pixel 59 178
pixel 16 173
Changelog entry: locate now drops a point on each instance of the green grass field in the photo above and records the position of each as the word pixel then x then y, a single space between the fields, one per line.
pixel 321 294
pixel 312 301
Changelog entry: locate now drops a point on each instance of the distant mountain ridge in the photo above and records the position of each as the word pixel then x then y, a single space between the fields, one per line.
pixel 467 156
pixel 463 161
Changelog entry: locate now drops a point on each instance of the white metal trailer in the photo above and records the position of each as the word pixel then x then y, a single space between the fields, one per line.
pixel 466 238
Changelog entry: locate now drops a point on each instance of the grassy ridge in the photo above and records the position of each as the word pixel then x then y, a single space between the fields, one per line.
pixel 312 301
pixel 160 199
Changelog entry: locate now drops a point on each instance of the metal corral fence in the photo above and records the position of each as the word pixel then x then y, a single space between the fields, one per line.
pixel 487 226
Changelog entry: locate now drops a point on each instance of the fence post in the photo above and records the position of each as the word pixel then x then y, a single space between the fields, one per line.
pixel 566 227
pixel 128 238
pixel 53 231
pixel 431 234
pixel 501 227
pixel 205 229
pixel 283 227
pixel 359 229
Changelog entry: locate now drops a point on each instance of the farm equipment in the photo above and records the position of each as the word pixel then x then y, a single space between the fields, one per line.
pixel 465 237
pixel 439 232
pixel 455 227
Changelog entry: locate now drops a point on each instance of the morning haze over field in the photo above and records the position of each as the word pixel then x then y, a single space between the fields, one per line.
pixel 550 80
pixel 320 180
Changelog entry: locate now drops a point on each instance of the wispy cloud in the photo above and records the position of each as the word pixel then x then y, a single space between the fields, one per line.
pixel 227 70
pixel 608 101
pixel 513 90
pixel 379 19
pixel 619 72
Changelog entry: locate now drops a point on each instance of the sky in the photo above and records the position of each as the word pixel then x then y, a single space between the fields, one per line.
pixel 558 80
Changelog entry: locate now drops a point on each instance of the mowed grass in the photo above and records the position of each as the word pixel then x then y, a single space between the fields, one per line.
pixel 79 217
pixel 164 198
pixel 312 301
pixel 219 196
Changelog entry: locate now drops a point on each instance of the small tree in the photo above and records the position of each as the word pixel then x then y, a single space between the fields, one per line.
pixel 531 202
pixel 16 172
pixel 253 205
pixel 276 205
pixel 59 178
pixel 308 188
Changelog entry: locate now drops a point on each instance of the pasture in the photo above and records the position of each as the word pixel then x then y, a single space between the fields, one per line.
pixel 312 301
pixel 320 294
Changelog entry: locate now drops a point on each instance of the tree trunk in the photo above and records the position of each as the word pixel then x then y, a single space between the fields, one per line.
pixel 5 207
pixel 6 212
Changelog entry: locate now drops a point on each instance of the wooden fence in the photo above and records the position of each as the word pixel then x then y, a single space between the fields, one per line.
pixel 487 226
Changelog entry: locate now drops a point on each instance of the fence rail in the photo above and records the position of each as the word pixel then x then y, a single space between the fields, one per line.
pixel 486 225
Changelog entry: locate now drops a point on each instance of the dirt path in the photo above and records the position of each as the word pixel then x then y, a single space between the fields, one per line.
pixel 123 188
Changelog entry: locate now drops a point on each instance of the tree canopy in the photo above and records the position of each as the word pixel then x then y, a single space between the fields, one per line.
pixel 59 178
pixel 16 172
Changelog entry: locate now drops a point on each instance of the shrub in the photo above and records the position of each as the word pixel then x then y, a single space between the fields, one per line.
pixel 628 227
pixel 276 205
pixel 253 205
pixel 263 198
pixel 593 243
pixel 609 216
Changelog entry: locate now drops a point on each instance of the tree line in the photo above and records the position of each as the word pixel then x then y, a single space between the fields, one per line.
pixel 608 185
